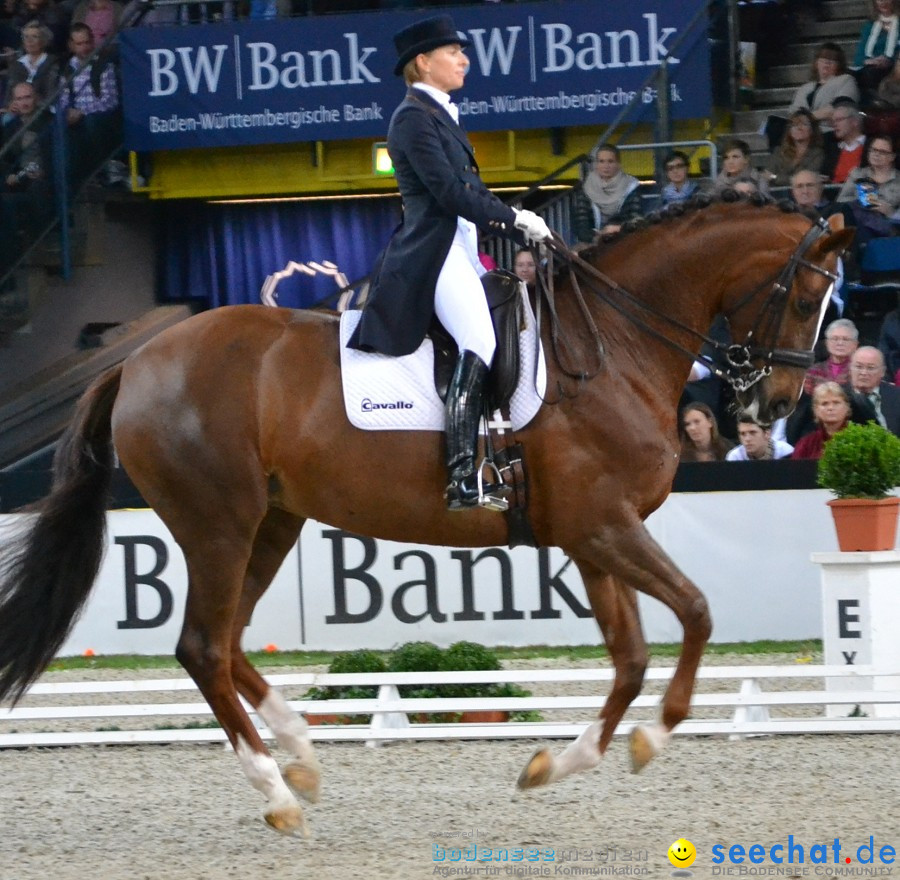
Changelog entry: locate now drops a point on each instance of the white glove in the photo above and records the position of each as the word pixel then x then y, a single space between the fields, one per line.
pixel 533 227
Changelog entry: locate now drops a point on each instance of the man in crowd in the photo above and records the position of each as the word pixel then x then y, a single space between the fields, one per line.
pixel 847 121
pixel 25 173
pixel 807 191
pixel 91 104
pixel 867 379
pixel 756 442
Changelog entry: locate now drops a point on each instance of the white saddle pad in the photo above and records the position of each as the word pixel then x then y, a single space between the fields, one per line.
pixel 383 393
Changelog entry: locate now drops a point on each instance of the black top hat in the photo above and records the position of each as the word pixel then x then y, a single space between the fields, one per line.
pixel 423 36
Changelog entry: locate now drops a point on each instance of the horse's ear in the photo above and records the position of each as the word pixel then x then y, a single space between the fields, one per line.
pixel 839 239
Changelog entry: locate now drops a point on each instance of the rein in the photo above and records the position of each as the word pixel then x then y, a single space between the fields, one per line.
pixel 759 344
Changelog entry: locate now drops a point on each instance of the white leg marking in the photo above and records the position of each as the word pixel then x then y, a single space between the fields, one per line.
pixel 583 754
pixel 290 729
pixel 657 735
pixel 263 774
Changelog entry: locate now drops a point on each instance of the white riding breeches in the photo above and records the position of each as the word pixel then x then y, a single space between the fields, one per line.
pixel 459 300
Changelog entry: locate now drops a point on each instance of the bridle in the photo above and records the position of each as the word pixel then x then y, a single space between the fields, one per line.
pixel 758 345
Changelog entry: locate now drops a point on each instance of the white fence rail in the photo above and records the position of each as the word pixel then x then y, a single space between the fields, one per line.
pixel 747 711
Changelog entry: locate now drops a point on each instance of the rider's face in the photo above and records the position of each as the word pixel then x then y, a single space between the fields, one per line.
pixel 444 68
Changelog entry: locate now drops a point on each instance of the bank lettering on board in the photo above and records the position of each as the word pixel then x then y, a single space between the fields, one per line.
pixel 331 77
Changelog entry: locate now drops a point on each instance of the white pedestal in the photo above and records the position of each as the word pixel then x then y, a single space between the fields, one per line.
pixel 861 622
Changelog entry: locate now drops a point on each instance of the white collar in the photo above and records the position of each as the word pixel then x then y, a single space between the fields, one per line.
pixel 441 97
pixel 852 145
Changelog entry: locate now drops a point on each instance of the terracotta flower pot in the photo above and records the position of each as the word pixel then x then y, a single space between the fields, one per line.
pixel 315 720
pixel 865 524
pixel 486 717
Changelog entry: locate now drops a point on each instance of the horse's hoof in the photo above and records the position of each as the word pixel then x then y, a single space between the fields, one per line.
pixel 287 820
pixel 537 771
pixel 641 747
pixel 304 780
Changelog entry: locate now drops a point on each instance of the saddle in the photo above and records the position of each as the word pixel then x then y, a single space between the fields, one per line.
pixel 501 288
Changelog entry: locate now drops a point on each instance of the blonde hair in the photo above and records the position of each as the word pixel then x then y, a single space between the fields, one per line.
pixel 411 72
pixel 832 389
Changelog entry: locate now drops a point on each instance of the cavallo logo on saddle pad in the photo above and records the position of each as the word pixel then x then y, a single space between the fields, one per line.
pixel 370 405
pixel 384 393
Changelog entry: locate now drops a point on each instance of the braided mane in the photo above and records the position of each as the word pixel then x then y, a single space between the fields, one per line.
pixel 697 202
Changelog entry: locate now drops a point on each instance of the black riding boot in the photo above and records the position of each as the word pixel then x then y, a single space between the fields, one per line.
pixel 462 416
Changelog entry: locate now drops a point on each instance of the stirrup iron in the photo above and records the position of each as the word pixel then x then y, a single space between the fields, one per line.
pixel 497 499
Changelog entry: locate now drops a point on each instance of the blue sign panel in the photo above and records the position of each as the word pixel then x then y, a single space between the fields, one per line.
pixel 533 65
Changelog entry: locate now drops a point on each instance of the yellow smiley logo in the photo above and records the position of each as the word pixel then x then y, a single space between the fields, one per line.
pixel 682 853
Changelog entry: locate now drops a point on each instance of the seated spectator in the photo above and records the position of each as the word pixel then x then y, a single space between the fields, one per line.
pixel 35 65
pixel 703 386
pixel 699 432
pixel 829 81
pixel 867 379
pixel 678 188
pixel 47 13
pixel 103 17
pixel 91 105
pixel 808 191
pixel 846 151
pixel 607 199
pixel 524 267
pixel 808 194
pixel 841 340
pixel 756 443
pixel 877 47
pixel 25 174
pixel 801 421
pixel 800 149
pixel 831 411
pixel 736 168
pixel 889 342
pixel 888 96
pixel 870 195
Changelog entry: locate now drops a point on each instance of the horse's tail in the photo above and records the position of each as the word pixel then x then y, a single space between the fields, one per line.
pixel 48 568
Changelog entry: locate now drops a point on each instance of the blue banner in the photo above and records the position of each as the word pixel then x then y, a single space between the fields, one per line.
pixel 533 65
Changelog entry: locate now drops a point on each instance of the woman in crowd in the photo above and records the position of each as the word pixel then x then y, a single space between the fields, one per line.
pixel 841 340
pixel 871 194
pixel 831 410
pixel 877 46
pixel 736 168
pixel 678 187
pixel 800 149
pixel 524 267
pixel 35 65
pixel 830 80
pixel 700 438
pixel 607 199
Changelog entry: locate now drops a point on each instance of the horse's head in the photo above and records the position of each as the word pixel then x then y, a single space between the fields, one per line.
pixel 775 325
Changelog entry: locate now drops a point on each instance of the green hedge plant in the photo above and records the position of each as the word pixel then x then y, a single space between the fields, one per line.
pixel 345 663
pixel 861 461
pixel 422 657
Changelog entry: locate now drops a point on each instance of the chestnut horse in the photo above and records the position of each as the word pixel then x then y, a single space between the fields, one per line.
pixel 232 426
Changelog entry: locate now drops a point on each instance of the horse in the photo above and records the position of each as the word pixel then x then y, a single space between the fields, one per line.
pixel 232 427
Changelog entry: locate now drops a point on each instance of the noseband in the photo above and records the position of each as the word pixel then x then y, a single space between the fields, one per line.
pixel 759 345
